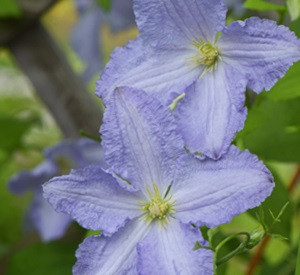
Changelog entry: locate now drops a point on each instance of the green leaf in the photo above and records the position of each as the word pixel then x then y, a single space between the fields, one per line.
pixel 6 60
pixel 198 246
pixel 13 209
pixel 261 5
pixel 279 237
pixel 286 266
pixel 204 232
pixel 298 259
pixel 276 203
pixel 287 87
pixel 51 258
pixel 3 249
pixel 227 248
pixel 12 131
pixel 295 27
pixel 93 233
pixel 9 8
pixel 293 8
pixel 104 4
pixel 277 219
pixel 16 105
pixel 272 129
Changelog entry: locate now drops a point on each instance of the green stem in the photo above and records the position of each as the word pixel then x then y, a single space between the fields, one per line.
pixel 233 253
pixel 230 255
pixel 84 134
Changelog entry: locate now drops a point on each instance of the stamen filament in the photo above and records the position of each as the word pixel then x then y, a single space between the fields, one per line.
pixel 208 55
pixel 157 208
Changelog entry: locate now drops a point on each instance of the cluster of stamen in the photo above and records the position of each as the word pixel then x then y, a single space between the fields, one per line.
pixel 157 208
pixel 207 55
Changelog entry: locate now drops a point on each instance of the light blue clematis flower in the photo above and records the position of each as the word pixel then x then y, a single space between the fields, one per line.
pixel 154 195
pixel 58 160
pixel 85 37
pixel 179 50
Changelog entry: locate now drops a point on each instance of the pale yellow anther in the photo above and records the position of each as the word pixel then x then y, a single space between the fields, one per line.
pixel 207 55
pixel 157 208
pixel 154 210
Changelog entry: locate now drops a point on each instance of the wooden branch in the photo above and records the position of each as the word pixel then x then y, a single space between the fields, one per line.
pixel 32 10
pixel 59 88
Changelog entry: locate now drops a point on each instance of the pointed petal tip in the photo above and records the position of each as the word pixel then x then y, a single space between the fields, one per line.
pixel 238 181
pixel 93 198
pixel 212 112
pixel 262 50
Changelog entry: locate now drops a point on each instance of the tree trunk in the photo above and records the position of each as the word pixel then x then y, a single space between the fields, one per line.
pixel 59 88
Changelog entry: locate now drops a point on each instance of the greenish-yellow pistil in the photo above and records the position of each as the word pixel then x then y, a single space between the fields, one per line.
pixel 157 208
pixel 207 55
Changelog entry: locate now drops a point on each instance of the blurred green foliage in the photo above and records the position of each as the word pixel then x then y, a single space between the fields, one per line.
pixel 287 87
pixel 9 8
pixel 104 4
pixel 262 5
pixel 15 128
pixel 274 204
pixel 298 260
pixel 294 8
pixel 17 117
pixel 282 267
pixel 47 259
pixel 272 129
pixel 295 27
pixel 13 210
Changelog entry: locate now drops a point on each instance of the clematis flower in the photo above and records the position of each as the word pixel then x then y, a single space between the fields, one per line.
pixel 59 159
pixel 85 38
pixel 154 195
pixel 179 49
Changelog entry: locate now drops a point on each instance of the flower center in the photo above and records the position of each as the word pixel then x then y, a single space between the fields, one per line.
pixel 157 208
pixel 207 55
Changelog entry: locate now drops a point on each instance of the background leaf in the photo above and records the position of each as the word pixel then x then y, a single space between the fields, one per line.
pixel 12 131
pixel 13 210
pixel 284 267
pixel 272 129
pixel 9 8
pixel 298 259
pixel 287 87
pixel 104 4
pixel 293 8
pixel 261 5
pixel 295 27
pixel 275 202
pixel 52 258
